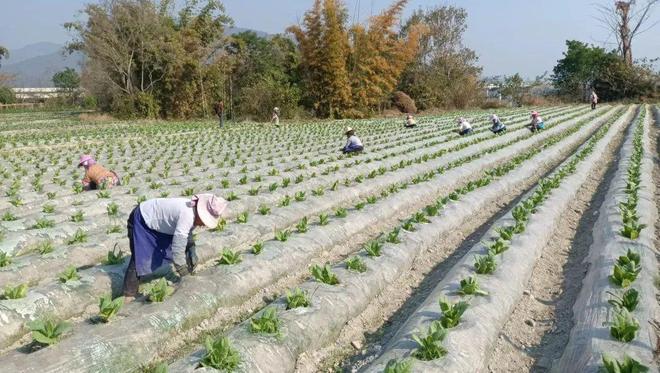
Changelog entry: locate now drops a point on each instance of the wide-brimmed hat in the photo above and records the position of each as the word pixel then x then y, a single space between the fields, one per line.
pixel 86 160
pixel 276 109
pixel 535 113
pixel 209 208
pixel 348 129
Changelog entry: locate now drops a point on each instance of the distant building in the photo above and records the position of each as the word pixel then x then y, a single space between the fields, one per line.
pixel 37 94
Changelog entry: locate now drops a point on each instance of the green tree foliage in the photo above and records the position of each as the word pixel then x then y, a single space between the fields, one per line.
pixel 513 87
pixel 6 95
pixel 584 67
pixel 444 72
pixel 4 53
pixel 67 80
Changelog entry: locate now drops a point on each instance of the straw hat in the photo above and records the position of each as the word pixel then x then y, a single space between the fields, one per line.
pixel 86 160
pixel 209 208
pixel 535 114
pixel 348 129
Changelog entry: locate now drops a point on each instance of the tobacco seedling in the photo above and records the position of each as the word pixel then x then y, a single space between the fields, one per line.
pixel 324 274
pixel 114 229
pixel 323 219
pixel 45 247
pixel 43 223
pixel 80 236
pixel 497 247
pixel 420 218
pixel 430 346
pixel 374 248
pixel 112 209
pixel 5 259
pixel 267 323
pixel 15 292
pixel 393 236
pixel 624 327
pixel 341 212
pixel 356 264
pixel 228 257
pixel 302 225
pixel 114 257
pixel 231 196
pixel 103 194
pixel 77 217
pixel 451 312
pixel 360 205
pixel 108 308
pixel 485 265
pixel 624 275
pixel 398 366
pixel 242 217
pixel 264 210
pixel 48 209
pixel 48 332
pixel 629 365
pixel 409 225
pixel 297 298
pixel 286 201
pixel 506 233
pixel 282 236
pixel 628 300
pixel 220 355
pixel 470 286
pixel 257 248
pixel 69 274
pixel 272 187
pixel 8 216
pixel 158 291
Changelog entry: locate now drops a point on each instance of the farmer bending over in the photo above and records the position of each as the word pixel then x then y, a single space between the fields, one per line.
pixel 160 232
pixel 537 122
pixel 96 176
pixel 410 122
pixel 353 143
pixel 464 127
pixel 498 126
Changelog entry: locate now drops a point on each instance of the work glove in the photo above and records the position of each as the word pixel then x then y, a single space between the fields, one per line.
pixel 191 258
pixel 182 270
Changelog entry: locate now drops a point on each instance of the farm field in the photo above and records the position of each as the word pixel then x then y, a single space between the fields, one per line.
pixel 428 252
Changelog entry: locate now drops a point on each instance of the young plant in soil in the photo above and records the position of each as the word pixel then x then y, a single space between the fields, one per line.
pixel 282 236
pixel 69 274
pixel 485 265
pixel 43 223
pixel 398 366
pixel 451 312
pixel 47 332
pixel 8 216
pixel 409 225
pixel 267 323
pixel 506 233
pixel 159 290
pixel 628 300
pixel 80 236
pixel 77 217
pixel 324 274
pixel 229 257
pixel 5 259
pixel 430 346
pixel 112 209
pixel 257 248
pixel 286 201
pixel 302 225
pixel 497 247
pixel 108 308
pixel 114 257
pixel 45 247
pixel 264 210
pixel 323 219
pixel 48 209
pixel 297 298
pixel 15 292
pixel 373 248
pixel 470 286
pixel 393 236
pixel 628 365
pixel 242 217
pixel 341 212
pixel 356 264
pixel 624 327
pixel 103 194
pixel 625 271
pixel 220 354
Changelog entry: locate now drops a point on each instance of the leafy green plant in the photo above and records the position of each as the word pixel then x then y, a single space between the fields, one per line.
pixel 77 217
pixel 69 274
pixel 231 196
pixel 409 225
pixel 398 366
pixel 229 257
pixel 108 307
pixel 451 312
pixel 5 259
pixel 141 199
pixel 324 274
pixel 623 275
pixel 48 209
pixel 282 236
pixel 628 365
pixel 629 300
pixel 356 264
pixel 300 196
pixel 485 265
pixel 103 194
pixel 112 209
pixel 114 257
pixel 624 327
pixel 159 290
pixel 51 195
pixel 297 298
pixel 373 248
pixel 242 218
pixel 506 233
pixel 254 191
pixel 8 216
pixel 323 219
pixel 470 286
pixel 264 210
pixel 341 212
pixel 43 223
pixel 497 247
pixel 257 248
pixel 48 332
pixel 302 225
pixel 360 205
pixel 220 354
pixel 430 346
pixel 114 229
pixel 80 236
pixel 15 292
pixel 285 201
pixel 267 323
pixel 393 236
pixel 45 247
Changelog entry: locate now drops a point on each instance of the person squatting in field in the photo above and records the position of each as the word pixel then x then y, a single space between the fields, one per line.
pixel 96 176
pixel 410 122
pixel 498 126
pixel 353 143
pixel 275 118
pixel 537 122
pixel 464 127
pixel 160 232
pixel 594 100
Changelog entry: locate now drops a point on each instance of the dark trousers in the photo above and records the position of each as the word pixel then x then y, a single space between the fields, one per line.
pixel 221 118
pixel 356 149
pixel 131 279
pixel 465 132
pixel 593 105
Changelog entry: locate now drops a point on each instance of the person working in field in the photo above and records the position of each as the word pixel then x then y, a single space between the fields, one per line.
pixel 219 109
pixel 96 176
pixel 464 127
pixel 160 232
pixel 275 118
pixel 537 122
pixel 353 143
pixel 594 100
pixel 410 122
pixel 498 126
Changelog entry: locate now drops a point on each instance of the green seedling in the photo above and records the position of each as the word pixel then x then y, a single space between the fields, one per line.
pixel 497 247
pixel 242 217
pixel 8 216
pixel 628 365
pixel 48 209
pixel 323 219
pixel 398 366
pixel 451 312
pixel 69 274
pixel 318 192
pixel 409 225
pixel 324 274
pixel 360 205
pixel 15 292
pixel 341 212
pixel 103 194
pixel 267 323
pixel 43 223
pixel 5 259
pixel 108 308
pixel 80 236
pixel 297 298
pixel 624 327
pixel 229 257
pixel 48 332
pixel 77 217
pixel 254 191
pixel 373 248
pixel 299 196
pixel 220 354
pixel 372 200
pixel 420 218
pixel 286 201
pixel 264 210
pixel 257 248
pixel 624 275
pixel 356 264
pixel 393 236
pixel 470 286
pixel 114 229
pixel 628 300
pixel 302 225
pixel 485 265
pixel 430 346
pixel 114 257
pixel 45 247
pixel 112 209
pixel 506 233
pixel 158 291
pixel 272 187
pixel 231 196
pixel 282 236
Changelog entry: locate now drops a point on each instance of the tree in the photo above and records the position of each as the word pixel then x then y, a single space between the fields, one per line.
pixel 626 20
pixel 514 87
pixel 4 53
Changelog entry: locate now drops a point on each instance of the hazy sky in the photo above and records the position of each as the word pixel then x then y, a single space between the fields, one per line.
pixel 526 36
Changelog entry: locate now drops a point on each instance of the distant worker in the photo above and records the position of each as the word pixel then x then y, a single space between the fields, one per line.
pixel 464 127
pixel 219 109
pixel 594 99
pixel 353 143
pixel 498 126
pixel 276 116
pixel 410 122
pixel 537 122
pixel 96 176
pixel 160 232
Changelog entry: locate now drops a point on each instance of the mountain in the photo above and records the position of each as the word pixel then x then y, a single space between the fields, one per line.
pixel 31 51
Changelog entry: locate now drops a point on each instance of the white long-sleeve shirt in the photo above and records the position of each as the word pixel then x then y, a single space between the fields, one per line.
pixel 353 141
pixel 465 125
pixel 173 216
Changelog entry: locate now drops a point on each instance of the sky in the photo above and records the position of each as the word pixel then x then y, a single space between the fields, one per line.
pixel 509 36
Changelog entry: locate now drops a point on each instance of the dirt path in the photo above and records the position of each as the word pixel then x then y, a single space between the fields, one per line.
pixel 540 324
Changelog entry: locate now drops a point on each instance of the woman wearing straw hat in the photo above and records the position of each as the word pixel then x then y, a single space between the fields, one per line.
pixel 160 232
pixel 96 176
pixel 537 122
pixel 353 143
